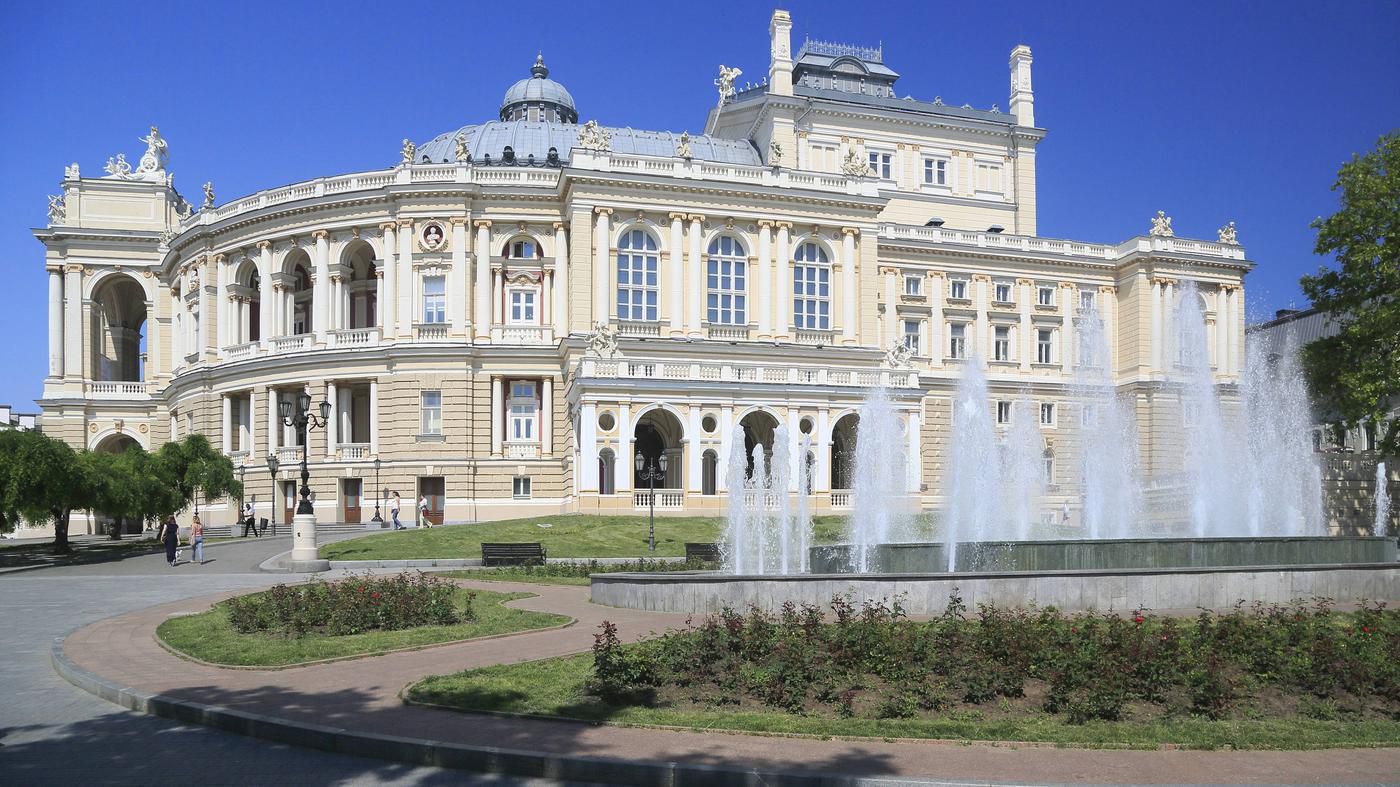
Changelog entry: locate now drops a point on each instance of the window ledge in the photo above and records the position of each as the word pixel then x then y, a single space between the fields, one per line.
pixel 1045 366
pixel 431 438
pixel 1007 363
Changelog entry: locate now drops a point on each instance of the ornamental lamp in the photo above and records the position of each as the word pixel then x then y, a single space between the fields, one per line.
pixel 304 403
pixel 325 410
pixel 284 409
pixel 639 461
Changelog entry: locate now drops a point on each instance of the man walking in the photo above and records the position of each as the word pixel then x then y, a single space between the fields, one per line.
pixel 248 522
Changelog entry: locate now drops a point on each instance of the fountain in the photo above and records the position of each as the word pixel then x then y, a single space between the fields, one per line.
pixel 762 535
pixel 1382 502
pixel 880 473
pixel 1108 449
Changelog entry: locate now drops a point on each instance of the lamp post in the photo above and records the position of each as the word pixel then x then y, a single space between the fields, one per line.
pixel 651 474
pixel 377 517
pixel 304 556
pixel 272 470
pixel 241 470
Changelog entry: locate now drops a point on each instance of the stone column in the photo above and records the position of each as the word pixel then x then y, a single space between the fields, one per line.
pixel 56 322
pixel 320 288
pixel 226 430
pixel 693 465
pixel 332 432
pixel 388 272
pixel 496 425
pixel 1107 305
pixel 561 280
pixel 936 291
pixel 726 443
pixel 73 322
pixel 1222 331
pixel 457 280
pixel 1169 322
pixel 206 310
pixel 1156 350
pixel 274 420
pixel 1025 329
pixel 892 328
pixel 1066 305
pixel 602 264
pixel 374 417
pixel 546 297
pixel 675 274
pixel 782 270
pixel 623 471
pixel 794 457
pixel 763 274
pixel 547 416
pixel 1232 345
pixel 498 286
pixel 588 448
pixel 223 305
pixel 404 285
pixel 267 300
pixel 481 309
pixel 821 446
pixel 697 275
pixel 916 465
pixel 849 294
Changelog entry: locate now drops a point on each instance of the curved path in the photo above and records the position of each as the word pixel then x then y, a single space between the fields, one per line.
pixel 360 699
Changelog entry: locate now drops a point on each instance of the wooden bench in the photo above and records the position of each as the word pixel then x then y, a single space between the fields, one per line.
pixel 526 554
pixel 701 552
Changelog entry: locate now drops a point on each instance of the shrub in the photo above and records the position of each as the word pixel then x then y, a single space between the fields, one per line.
pixel 351 606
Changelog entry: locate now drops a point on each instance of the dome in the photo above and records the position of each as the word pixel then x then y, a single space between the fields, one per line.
pixel 539 98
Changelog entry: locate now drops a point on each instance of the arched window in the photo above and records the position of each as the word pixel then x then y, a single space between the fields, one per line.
pixel 606 483
pixel 709 464
pixel 727 282
pixel 636 276
pixel 811 288
pixel 522 248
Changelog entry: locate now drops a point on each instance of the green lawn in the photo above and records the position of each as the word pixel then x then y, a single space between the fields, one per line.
pixel 568 536
pixel 209 637
pixel 555 687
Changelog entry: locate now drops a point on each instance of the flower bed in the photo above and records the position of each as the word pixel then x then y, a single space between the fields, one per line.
pixel 351 606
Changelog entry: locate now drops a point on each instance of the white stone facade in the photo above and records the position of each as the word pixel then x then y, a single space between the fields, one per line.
pixel 503 335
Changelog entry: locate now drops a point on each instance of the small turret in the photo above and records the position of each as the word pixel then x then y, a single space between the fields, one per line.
pixel 1022 97
pixel 780 52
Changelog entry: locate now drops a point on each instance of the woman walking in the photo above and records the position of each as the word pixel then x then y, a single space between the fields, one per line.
pixel 170 534
pixel 197 540
pixel 394 506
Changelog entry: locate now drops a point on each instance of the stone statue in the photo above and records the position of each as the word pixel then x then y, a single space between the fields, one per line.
pixel 58 212
pixel 683 146
pixel 71 172
pixel 594 137
pixel 461 153
pixel 167 236
pixel 775 153
pixel 899 356
pixel 157 153
pixel 118 168
pixel 408 150
pixel 602 342
pixel 1162 225
pixel 725 83
pixel 856 163
pixel 209 194
pixel 1226 234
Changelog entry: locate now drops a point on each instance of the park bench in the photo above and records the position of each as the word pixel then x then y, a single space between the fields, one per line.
pixel 701 552
pixel 528 553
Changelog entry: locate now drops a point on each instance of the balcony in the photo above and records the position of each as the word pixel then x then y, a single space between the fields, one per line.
pixel 519 449
pixel 522 334
pixel 638 328
pixel 728 332
pixel 430 332
pixel 240 352
pixel 353 452
pixel 290 344
pixel 289 454
pixel 814 338
pixel 355 337
pixel 724 372
pixel 669 499
pixel 117 390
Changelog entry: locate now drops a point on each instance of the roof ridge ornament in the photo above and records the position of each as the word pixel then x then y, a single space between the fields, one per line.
pixel 725 83
pixel 539 70
pixel 1162 226
pixel 594 137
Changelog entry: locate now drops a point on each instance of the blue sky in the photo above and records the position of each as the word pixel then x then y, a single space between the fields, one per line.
pixel 1212 111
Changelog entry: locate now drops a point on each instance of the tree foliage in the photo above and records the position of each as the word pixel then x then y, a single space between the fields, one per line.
pixel 1356 373
pixel 198 470
pixel 42 480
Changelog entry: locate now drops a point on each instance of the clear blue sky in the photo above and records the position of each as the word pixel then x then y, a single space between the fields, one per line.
pixel 1211 111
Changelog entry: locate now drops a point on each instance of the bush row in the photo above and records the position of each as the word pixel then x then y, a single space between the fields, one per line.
pixel 1086 666
pixel 351 606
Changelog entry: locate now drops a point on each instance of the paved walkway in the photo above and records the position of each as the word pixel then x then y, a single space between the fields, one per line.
pixel 362 695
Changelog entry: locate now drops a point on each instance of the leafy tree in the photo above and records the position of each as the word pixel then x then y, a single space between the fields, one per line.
pixel 196 470
pixel 131 486
pixel 1357 372
pixel 43 479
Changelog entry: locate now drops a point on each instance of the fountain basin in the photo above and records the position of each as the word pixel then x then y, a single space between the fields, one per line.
pixel 1099 554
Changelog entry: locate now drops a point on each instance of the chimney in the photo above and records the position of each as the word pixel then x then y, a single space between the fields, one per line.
pixel 1022 98
pixel 780 53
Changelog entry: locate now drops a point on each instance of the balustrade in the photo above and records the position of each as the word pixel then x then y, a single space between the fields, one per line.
pixel 239 352
pixel 840 498
pixel 351 452
pixel 289 344
pixel 355 337
pixel 728 332
pixel 665 498
pixel 519 449
pixel 117 390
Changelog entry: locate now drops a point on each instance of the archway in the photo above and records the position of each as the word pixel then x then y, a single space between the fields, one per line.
pixel 606 464
pixel 843 451
pixel 118 330
pixel 759 426
pixel 361 299
pixel 709 471
pixel 246 291
pixel 299 313
pixel 103 522
pixel 659 432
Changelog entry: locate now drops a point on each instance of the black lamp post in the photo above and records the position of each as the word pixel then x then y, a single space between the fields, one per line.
pixel 303 420
pixel 241 470
pixel 272 470
pixel 651 474
pixel 377 517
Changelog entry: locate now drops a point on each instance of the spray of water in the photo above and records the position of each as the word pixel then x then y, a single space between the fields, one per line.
pixel 973 485
pixel 881 474
pixel 1382 502
pixel 1109 480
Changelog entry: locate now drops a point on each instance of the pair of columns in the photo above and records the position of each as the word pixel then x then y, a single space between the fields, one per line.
pixel 545 414
pixel 1225 341
pixel 337 426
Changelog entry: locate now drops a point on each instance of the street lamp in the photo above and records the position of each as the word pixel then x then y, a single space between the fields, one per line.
pixel 272 470
pixel 651 474
pixel 377 517
pixel 241 470
pixel 303 420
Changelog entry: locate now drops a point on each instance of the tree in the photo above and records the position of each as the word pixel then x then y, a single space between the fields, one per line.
pixel 1356 373
pixel 196 469
pixel 41 480
pixel 131 486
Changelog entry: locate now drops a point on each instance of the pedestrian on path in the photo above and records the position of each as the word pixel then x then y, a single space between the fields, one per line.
pixel 197 540
pixel 248 523
pixel 394 506
pixel 170 534
pixel 423 512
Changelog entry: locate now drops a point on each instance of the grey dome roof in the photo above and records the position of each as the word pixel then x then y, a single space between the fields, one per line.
pixel 527 138
pixel 538 89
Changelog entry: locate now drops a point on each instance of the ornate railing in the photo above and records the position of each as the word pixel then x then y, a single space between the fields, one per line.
pixel 728 332
pixel 355 337
pixel 749 373
pixel 665 498
pixel 840 498
pixel 289 454
pixel 290 344
pixel 1064 248
pixel 117 390
pixel 519 449
pixel 351 452
pixel 430 332
pixel 239 352
pixel 522 334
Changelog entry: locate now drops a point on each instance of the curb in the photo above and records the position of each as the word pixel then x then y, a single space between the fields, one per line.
pixel 442 754
pixel 475 562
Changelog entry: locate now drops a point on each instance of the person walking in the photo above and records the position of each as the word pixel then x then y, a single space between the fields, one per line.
pixel 394 506
pixel 423 512
pixel 248 523
pixel 170 535
pixel 197 541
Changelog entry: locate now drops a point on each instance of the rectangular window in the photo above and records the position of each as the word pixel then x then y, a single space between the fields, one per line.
pixel 911 335
pixel 522 307
pixel 989 177
pixel 1003 293
pixel 523 250
pixel 434 299
pixel 1086 300
pixel 728 288
pixel 524 411
pixel 432 412
pixel 1003 412
pixel 811 302
pixel 1001 347
pixel 1044 346
pixel 1369 437
pixel 881 164
pixel 823 158
pixel 957 340
pixel 935 172
pixel 1047 414
pixel 957 289
pixel 913 285
pixel 1045 296
pixel 520 489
